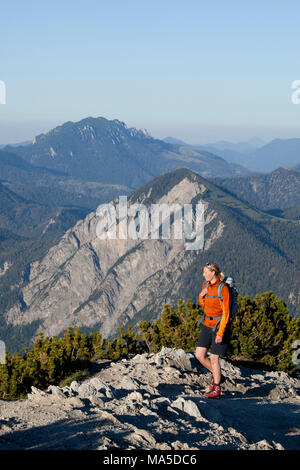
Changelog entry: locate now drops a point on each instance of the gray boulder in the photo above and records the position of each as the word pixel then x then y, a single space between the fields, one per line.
pixel 177 358
pixel 57 392
pixel 188 406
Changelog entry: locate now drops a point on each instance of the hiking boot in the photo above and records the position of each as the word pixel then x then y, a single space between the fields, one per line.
pixel 215 392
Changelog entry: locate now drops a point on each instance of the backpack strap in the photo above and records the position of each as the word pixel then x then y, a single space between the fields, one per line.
pixel 219 296
pixel 220 287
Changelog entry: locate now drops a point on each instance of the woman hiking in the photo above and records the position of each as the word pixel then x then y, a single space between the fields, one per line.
pixel 215 337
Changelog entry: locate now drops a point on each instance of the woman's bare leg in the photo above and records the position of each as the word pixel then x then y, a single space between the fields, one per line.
pixel 201 355
pixel 216 369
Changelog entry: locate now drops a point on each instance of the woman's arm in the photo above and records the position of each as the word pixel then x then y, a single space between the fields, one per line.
pixel 202 295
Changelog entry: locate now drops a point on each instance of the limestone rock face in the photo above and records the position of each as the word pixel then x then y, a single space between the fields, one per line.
pixel 92 282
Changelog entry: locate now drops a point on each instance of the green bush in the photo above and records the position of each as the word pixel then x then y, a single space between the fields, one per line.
pixel 175 329
pixel 263 331
pixel 53 361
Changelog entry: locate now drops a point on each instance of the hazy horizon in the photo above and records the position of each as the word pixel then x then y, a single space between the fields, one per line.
pixel 207 135
pixel 197 71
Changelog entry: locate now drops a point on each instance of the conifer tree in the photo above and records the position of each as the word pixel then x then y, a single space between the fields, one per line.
pixel 263 331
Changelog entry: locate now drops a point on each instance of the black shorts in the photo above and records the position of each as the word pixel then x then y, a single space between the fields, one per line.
pixel 207 340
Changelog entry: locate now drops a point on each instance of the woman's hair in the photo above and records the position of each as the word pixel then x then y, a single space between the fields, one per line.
pixel 214 267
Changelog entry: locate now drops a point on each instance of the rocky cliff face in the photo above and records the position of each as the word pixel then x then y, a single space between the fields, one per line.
pixel 156 401
pixel 87 281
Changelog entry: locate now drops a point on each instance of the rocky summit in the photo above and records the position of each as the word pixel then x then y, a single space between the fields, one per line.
pixel 156 401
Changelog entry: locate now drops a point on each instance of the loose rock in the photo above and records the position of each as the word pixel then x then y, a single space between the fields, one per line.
pixel 157 401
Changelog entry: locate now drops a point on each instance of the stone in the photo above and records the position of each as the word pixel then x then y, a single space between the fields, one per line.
pixel 36 394
pixel 281 392
pixel 75 402
pixel 161 401
pixel 150 389
pixel 56 392
pixel 98 383
pixel 143 435
pixel 177 358
pixel 129 383
pixel 229 370
pixel 68 391
pixel 188 406
pixel 101 386
pixel 137 396
pixel 74 386
pixel 140 359
pixel 264 445
pixel 37 391
pixel 86 389
pixel 96 401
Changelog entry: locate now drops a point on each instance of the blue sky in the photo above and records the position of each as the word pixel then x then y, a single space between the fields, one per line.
pixel 197 70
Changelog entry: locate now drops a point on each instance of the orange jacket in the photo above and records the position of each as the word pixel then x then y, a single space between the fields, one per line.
pixel 213 307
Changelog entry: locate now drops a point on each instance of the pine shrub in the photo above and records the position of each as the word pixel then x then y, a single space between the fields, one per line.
pixel 263 331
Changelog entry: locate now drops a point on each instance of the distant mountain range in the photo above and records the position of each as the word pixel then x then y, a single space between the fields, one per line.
pixel 279 189
pixel 224 145
pixel 233 152
pixel 278 152
pixel 51 186
pixel 255 155
pixel 99 284
pixel 26 142
pixel 134 157
pixel 97 149
pixel 297 167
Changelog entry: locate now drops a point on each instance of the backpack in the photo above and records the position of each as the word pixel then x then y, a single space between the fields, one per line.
pixel 229 281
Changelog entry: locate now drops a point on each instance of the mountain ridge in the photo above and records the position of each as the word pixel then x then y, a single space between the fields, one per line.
pixel 108 151
pixel 257 156
pixel 279 189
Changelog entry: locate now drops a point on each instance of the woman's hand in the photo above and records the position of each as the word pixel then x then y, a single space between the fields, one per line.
pixel 203 292
pixel 219 339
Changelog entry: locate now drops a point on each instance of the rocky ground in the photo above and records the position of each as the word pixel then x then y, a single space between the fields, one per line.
pixel 156 401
